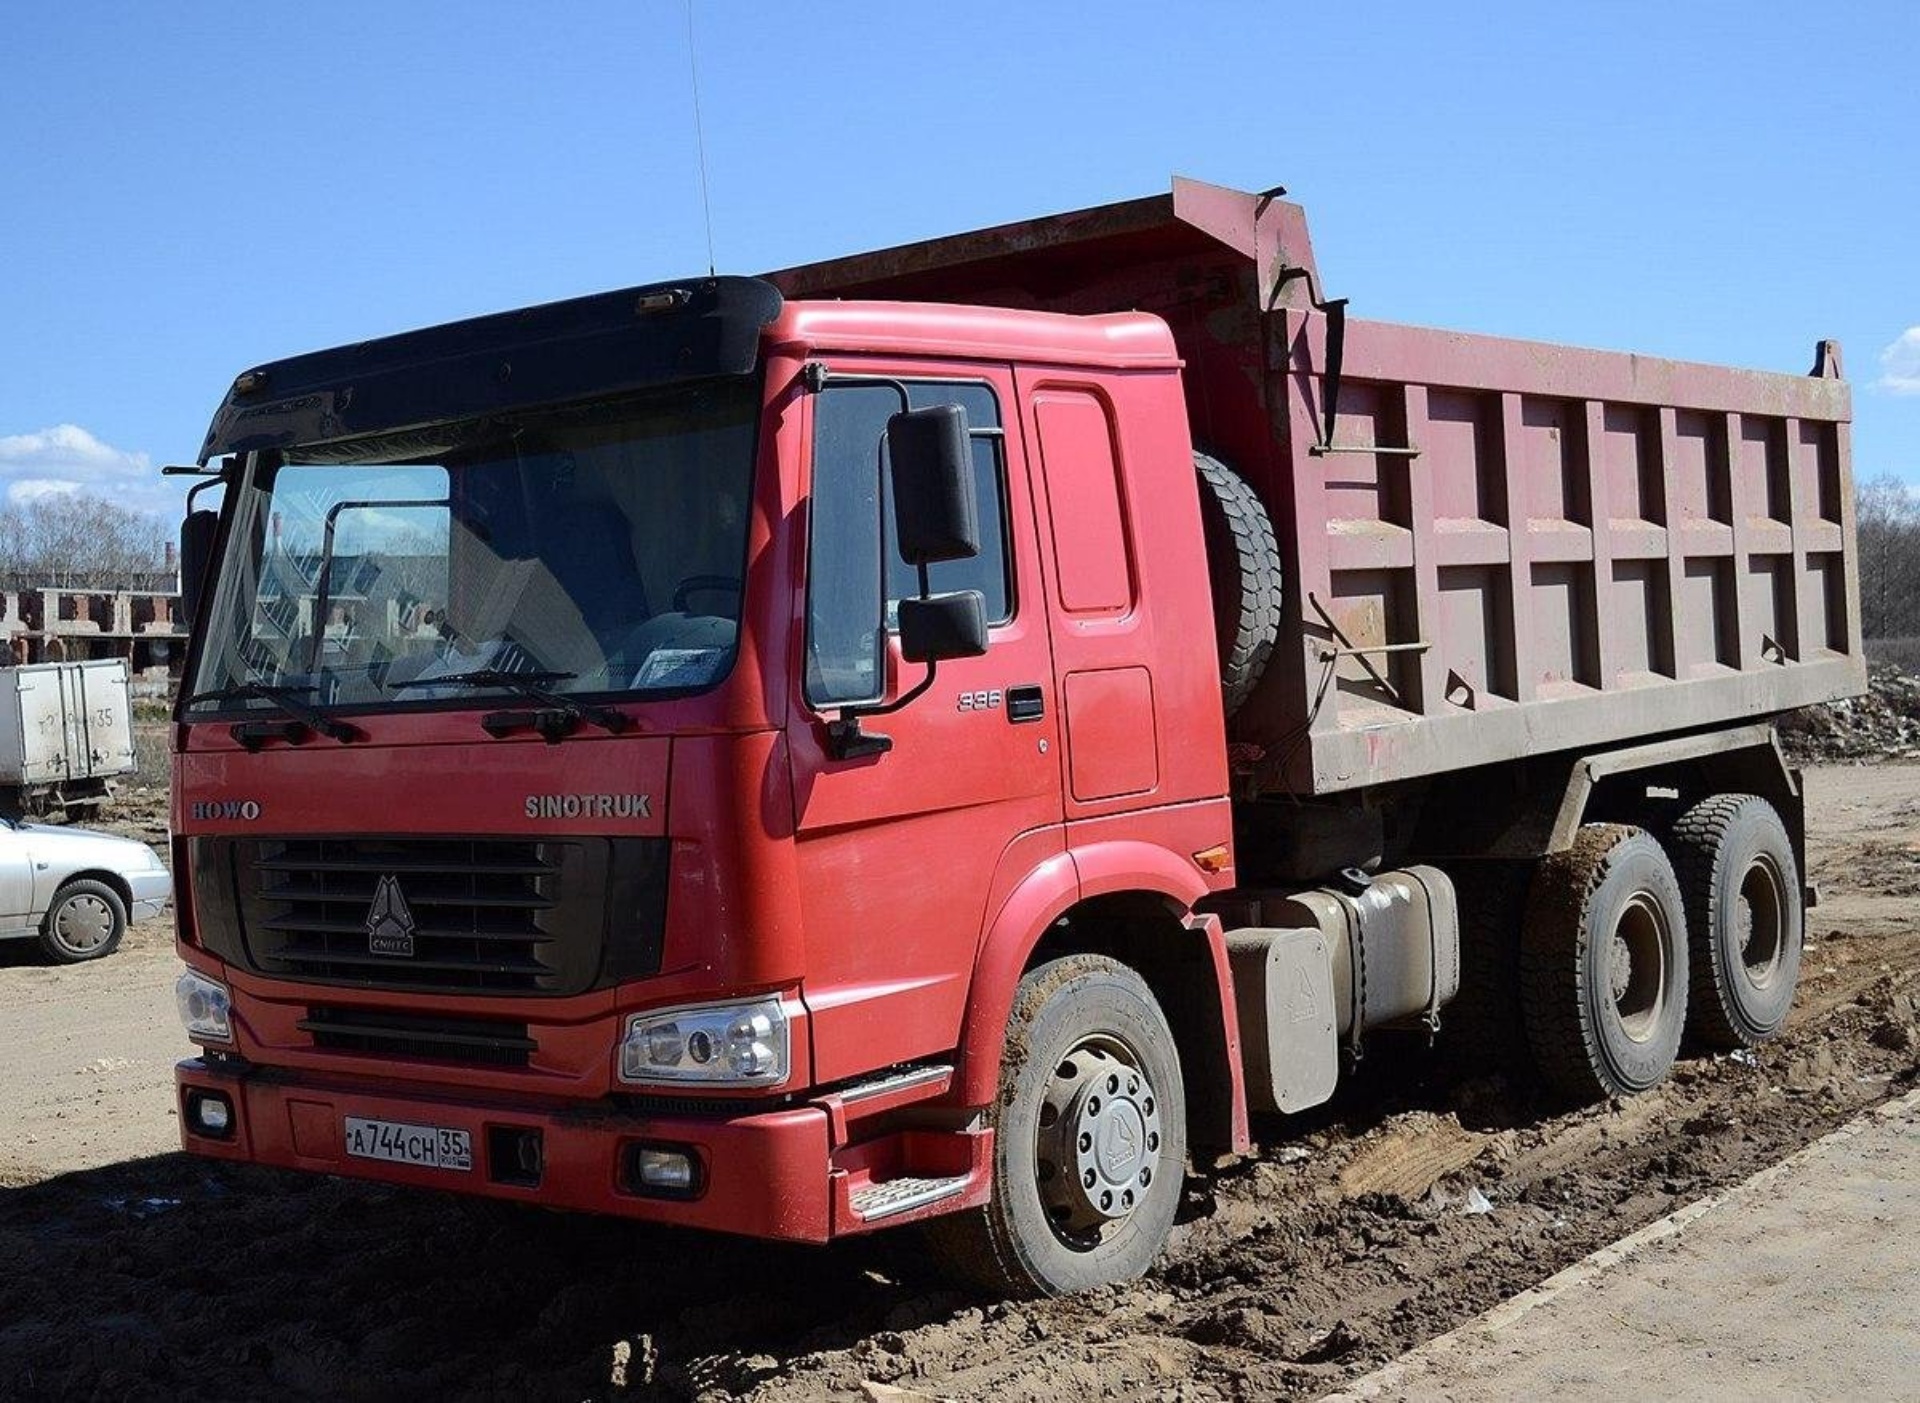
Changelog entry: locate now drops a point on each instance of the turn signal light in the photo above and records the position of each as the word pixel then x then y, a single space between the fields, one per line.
pixel 1215 859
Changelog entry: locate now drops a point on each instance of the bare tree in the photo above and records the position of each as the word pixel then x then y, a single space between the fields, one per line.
pixel 1888 514
pixel 76 540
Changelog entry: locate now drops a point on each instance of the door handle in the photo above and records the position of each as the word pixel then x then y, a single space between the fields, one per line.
pixel 1028 703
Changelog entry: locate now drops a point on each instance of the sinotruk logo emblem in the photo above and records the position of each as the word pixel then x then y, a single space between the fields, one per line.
pixel 389 922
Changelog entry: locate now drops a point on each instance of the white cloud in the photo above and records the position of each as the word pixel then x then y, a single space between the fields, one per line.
pixel 69 448
pixel 1900 364
pixel 69 458
pixel 34 489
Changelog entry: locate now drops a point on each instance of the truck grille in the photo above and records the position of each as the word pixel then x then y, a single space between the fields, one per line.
pixel 467 915
pixel 438 915
pixel 481 1042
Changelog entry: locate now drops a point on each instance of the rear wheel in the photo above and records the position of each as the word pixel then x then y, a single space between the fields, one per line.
pixel 1090 1138
pixel 85 922
pixel 1481 1027
pixel 1603 964
pixel 1744 918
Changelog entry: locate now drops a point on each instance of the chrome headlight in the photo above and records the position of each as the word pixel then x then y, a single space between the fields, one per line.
pixel 206 1010
pixel 745 1044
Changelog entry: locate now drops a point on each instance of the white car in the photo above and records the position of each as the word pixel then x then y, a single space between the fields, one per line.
pixel 75 889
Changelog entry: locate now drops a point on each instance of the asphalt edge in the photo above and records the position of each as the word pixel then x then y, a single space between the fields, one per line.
pixel 1393 1378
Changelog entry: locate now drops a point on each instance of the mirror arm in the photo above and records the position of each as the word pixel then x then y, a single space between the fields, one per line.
pixel 815 377
pixel 202 486
pixel 845 739
pixel 899 703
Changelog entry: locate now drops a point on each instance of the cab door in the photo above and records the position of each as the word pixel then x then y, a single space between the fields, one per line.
pixel 898 849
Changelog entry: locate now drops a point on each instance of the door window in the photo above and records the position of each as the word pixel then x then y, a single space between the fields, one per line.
pixel 850 598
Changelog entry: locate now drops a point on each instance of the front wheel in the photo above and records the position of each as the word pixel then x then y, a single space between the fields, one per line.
pixel 85 922
pixel 1090 1137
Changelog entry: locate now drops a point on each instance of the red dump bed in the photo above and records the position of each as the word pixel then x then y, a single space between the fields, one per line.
pixel 1507 547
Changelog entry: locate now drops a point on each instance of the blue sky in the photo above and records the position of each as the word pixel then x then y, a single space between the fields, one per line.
pixel 195 188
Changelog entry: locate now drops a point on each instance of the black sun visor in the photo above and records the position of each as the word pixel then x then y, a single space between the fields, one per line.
pixel 607 344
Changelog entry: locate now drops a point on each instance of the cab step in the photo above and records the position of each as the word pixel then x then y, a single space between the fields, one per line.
pixel 890 1196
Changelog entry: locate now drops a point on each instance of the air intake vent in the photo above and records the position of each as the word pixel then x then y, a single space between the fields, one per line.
pixel 476 1041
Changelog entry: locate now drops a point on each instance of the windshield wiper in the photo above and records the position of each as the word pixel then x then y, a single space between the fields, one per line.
pixel 304 717
pixel 561 714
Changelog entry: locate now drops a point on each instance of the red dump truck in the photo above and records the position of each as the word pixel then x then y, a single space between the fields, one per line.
pixel 950 733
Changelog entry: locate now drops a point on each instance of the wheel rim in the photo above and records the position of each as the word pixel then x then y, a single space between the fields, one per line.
pixel 83 923
pixel 1098 1151
pixel 1759 917
pixel 1637 967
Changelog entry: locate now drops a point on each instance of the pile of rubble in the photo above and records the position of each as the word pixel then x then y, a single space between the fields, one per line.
pixel 1882 725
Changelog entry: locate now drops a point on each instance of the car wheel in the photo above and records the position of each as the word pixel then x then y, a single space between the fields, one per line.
pixel 85 922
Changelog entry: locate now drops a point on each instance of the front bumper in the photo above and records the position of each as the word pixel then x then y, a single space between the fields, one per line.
pixel 150 892
pixel 765 1174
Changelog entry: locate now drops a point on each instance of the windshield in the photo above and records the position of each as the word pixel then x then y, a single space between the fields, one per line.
pixel 595 551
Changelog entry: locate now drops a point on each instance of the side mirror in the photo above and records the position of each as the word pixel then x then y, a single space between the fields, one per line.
pixel 197 532
pixel 935 518
pixel 943 626
pixel 934 513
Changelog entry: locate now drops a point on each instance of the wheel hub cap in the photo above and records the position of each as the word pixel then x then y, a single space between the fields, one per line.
pixel 1099 1144
pixel 84 923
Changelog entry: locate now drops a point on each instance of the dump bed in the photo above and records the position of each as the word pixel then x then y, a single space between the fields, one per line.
pixel 1502 548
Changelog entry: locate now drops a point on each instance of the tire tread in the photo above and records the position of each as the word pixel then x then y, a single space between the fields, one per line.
pixel 1555 1011
pixel 1697 837
pixel 1481 1027
pixel 1256 621
pixel 53 949
pixel 980 1245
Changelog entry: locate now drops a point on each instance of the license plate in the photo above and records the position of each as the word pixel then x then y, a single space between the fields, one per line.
pixel 426 1146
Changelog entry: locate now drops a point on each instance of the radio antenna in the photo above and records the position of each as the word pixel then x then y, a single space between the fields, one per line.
pixel 700 138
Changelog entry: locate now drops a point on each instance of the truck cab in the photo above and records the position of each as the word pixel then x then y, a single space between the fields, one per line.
pixel 565 813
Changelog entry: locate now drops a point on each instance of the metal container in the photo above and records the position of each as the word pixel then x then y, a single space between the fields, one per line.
pixel 66 729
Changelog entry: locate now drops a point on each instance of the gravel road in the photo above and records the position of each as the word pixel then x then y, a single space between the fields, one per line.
pixel 1413 1202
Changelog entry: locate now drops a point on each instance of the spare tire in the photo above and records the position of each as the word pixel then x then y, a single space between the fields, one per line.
pixel 1243 568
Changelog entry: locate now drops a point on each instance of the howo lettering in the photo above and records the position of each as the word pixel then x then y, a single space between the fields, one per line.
pixel 245 809
pixel 942 736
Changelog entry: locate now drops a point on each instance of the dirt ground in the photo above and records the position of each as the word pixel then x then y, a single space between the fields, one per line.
pixel 88 1050
pixel 1415 1201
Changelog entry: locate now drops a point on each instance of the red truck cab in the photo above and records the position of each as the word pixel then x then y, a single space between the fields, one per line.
pixel 434 911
